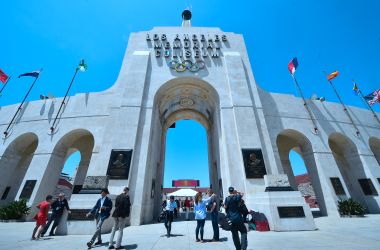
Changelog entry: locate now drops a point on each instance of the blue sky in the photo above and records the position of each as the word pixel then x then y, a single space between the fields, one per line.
pixel 324 35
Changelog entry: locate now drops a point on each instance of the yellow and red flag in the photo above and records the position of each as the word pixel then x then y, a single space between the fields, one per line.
pixel 332 75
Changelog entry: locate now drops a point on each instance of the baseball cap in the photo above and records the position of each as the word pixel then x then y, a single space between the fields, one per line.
pixel 231 189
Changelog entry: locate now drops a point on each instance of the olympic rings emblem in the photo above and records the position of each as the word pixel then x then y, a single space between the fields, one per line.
pixel 186 65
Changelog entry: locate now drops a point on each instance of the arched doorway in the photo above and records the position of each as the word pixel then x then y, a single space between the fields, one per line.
pixel 347 158
pixel 14 163
pixel 292 140
pixel 180 99
pixel 77 140
pixel 186 139
pixel 374 144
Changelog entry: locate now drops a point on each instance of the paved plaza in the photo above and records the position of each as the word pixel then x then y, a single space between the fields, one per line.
pixel 344 233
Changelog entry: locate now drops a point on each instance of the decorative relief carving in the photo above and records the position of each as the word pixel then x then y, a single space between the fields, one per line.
pixel 186 102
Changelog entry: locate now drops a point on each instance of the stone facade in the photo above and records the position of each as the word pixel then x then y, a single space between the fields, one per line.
pixel 152 91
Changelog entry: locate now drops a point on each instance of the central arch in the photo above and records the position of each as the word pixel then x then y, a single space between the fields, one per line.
pixel 181 99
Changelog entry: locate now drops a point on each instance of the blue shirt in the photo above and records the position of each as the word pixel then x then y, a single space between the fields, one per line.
pixel 171 205
pixel 200 209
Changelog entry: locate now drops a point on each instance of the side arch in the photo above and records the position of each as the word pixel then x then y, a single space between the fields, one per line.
pixel 80 140
pixel 14 164
pixel 291 139
pixel 374 144
pixel 347 158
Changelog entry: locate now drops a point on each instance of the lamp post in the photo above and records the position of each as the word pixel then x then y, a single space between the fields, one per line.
pixel 81 67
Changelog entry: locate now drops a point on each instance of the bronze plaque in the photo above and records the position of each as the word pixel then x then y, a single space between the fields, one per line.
pixel 367 187
pixel 79 214
pixel 28 189
pixel 291 212
pixel 119 164
pixel 337 185
pixel 254 164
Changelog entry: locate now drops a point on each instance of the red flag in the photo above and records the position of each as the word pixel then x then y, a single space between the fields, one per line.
pixel 3 77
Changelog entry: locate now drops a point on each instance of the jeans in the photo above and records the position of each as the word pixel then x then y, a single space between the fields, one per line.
pixel 53 217
pixel 98 232
pixel 200 226
pixel 215 226
pixel 237 227
pixel 118 225
pixel 168 221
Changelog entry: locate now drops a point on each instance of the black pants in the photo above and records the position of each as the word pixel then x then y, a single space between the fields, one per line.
pixel 53 217
pixel 215 226
pixel 168 221
pixel 237 227
pixel 200 226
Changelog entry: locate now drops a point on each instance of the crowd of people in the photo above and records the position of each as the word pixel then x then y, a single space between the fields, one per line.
pixel 235 213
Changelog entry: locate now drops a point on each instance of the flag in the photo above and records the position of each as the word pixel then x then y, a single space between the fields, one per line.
pixel 355 89
pixel 3 77
pixel 373 97
pixel 35 73
pixel 292 66
pixel 332 75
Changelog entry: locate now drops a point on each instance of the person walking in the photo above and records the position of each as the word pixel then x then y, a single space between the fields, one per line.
pixel 57 208
pixel 101 211
pixel 171 205
pixel 232 206
pixel 41 217
pixel 122 210
pixel 200 215
pixel 187 207
pixel 214 211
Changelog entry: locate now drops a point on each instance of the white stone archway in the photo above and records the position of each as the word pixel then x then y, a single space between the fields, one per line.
pixel 80 140
pixel 180 99
pixel 347 158
pixel 374 144
pixel 14 164
pixel 290 139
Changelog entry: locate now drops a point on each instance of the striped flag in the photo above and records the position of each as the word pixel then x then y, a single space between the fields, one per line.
pixel 373 97
pixel 292 66
pixel 332 75
pixel 3 77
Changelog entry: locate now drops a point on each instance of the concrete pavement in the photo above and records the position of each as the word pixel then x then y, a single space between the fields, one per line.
pixel 343 233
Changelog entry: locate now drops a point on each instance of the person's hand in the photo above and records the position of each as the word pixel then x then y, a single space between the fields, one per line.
pixel 88 214
pixel 69 211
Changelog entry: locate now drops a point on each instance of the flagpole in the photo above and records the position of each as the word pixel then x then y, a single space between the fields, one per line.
pixel 305 104
pixel 63 101
pixel 369 106
pixel 20 106
pixel 5 84
pixel 344 106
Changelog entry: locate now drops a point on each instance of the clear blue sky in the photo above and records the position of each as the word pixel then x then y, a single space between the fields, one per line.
pixel 324 35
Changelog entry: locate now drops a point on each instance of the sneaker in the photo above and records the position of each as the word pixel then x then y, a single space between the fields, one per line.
pixel 89 244
pixel 99 242
pixel 111 247
pixel 197 240
pixel 202 241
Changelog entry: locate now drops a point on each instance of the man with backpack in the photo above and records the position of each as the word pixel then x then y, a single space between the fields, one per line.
pixel 234 215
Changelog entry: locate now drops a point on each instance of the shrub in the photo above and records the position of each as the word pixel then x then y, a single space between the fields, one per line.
pixel 350 207
pixel 15 210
